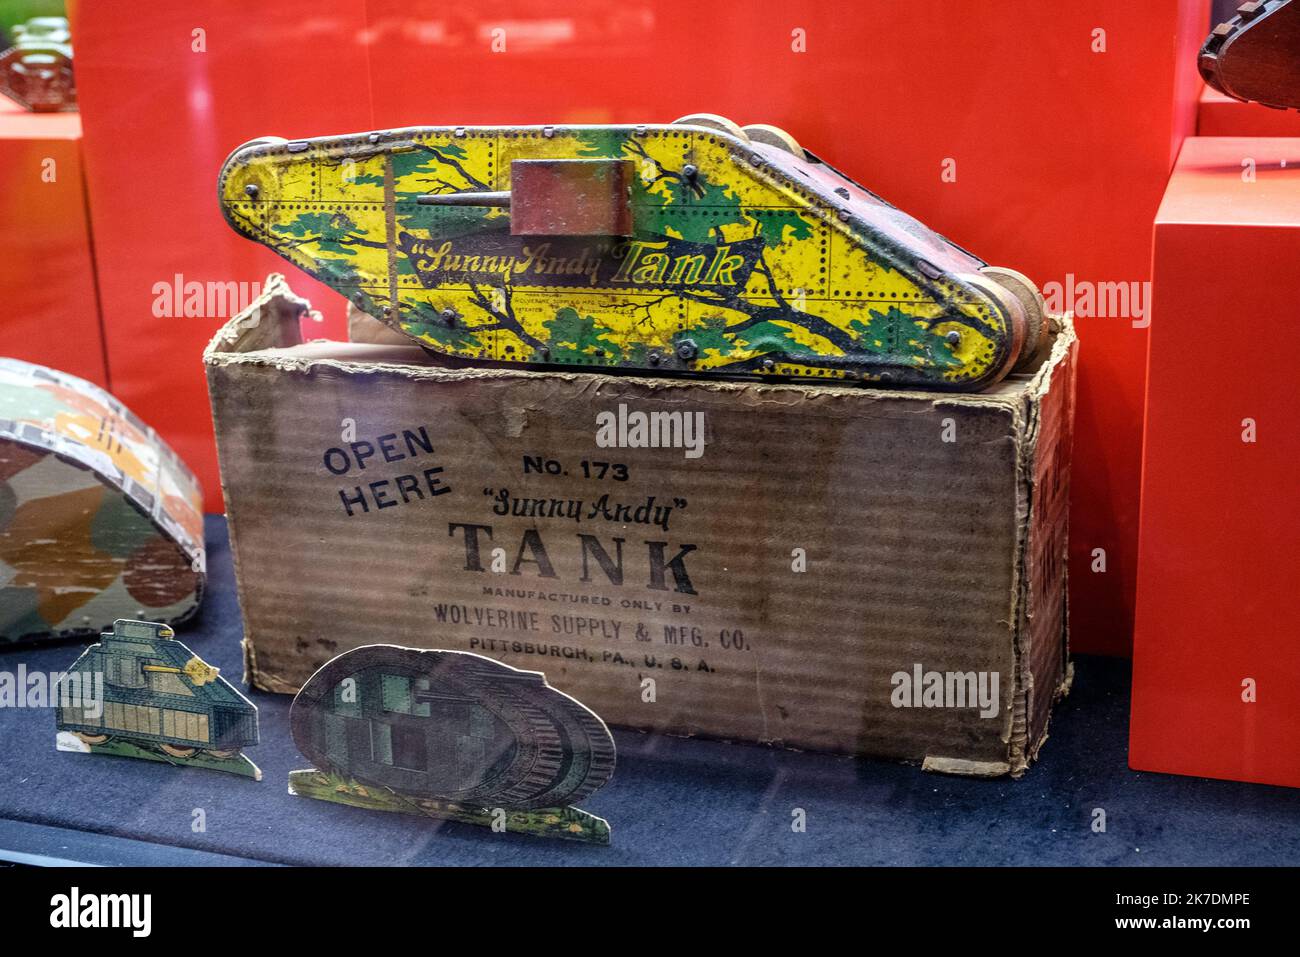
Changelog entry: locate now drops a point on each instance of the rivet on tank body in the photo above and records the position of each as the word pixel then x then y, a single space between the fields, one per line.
pixel 690 171
pixel 953 337
pixel 252 190
pixel 768 365
pixel 548 131
pixel 844 214
pixel 449 316
pixel 544 352
pixel 459 132
pixel 654 358
pixel 686 349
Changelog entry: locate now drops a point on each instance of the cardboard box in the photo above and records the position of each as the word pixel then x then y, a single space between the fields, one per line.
pixel 1215 661
pixel 784 573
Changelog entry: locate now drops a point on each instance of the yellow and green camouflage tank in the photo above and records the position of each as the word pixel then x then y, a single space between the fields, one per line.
pixel 99 520
pixel 692 247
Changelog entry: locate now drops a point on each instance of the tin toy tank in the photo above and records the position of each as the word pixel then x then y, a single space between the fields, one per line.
pixel 453 736
pixel 36 72
pixel 695 247
pixel 141 693
pixel 1255 55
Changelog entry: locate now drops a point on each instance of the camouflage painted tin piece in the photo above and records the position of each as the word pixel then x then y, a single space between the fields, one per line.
pixel 694 247
pixel 451 735
pixel 99 519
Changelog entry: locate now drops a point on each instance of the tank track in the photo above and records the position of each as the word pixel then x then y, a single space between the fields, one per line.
pixel 1255 56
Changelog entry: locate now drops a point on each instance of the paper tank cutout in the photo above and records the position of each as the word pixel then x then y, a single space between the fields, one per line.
pixel 99 519
pixel 140 693
pixel 452 736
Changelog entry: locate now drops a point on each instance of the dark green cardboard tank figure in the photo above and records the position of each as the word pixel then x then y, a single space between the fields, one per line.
pixel 452 736
pixel 140 693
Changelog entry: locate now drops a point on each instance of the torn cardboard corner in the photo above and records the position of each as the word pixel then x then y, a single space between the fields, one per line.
pixel 813 566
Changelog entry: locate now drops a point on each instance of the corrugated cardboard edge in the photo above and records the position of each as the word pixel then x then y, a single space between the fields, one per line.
pixel 269 322
pixel 272 322
pixel 1023 740
pixel 974 769
pixel 1061 363
pixel 1068 342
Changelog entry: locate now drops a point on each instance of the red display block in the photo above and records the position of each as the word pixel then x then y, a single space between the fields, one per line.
pixel 49 311
pixel 1216 669
pixel 1219 115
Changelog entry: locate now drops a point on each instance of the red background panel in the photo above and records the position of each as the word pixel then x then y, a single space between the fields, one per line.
pixel 1061 152
pixel 1220 115
pixel 1220 527
pixel 159 120
pixel 48 308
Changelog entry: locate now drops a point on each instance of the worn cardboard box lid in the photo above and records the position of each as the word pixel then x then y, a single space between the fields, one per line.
pixel 822 567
